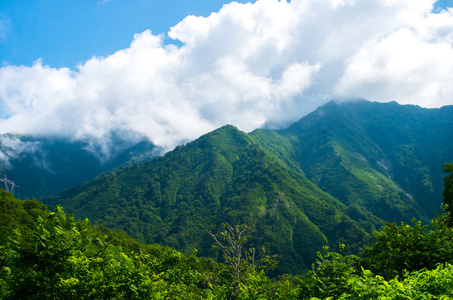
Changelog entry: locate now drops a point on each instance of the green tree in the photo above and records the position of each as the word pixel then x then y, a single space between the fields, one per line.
pixel 330 275
pixel 448 192
pixel 398 249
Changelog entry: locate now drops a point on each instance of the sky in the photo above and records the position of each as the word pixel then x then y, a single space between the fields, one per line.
pixel 172 70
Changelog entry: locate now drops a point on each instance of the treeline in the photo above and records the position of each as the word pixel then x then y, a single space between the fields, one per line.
pixel 49 255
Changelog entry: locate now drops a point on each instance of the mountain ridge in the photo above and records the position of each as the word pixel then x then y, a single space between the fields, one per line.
pixel 175 198
pixel 351 142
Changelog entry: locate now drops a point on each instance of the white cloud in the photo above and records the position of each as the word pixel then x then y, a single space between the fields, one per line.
pixel 413 64
pixel 271 61
pixel 12 148
pixel 401 67
pixel 5 25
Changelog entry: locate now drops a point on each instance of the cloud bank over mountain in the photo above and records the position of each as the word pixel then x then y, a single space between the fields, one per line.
pixel 247 65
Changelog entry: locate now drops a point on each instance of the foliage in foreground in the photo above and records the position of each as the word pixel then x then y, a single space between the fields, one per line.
pixel 65 259
pixel 422 284
pixel 68 259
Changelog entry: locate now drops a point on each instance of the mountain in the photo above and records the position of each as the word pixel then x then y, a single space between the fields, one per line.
pixel 384 157
pixel 45 166
pixel 333 176
pixel 223 176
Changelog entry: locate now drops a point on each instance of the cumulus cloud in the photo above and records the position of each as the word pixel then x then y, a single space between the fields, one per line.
pixel 413 64
pixel 247 65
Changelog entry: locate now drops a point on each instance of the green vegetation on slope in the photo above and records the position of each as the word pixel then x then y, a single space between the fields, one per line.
pixel 382 157
pixel 16 215
pixel 221 177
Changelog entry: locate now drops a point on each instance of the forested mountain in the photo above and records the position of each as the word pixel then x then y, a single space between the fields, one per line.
pixel 45 166
pixel 385 157
pixel 332 177
pixel 223 176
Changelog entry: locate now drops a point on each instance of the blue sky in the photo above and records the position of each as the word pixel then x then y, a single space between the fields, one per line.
pixel 442 4
pixel 65 33
pixel 173 70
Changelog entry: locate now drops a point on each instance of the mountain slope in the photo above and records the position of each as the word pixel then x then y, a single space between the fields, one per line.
pixel 382 156
pixel 417 142
pixel 221 177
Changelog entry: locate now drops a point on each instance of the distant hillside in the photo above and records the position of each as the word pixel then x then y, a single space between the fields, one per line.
pixel 44 166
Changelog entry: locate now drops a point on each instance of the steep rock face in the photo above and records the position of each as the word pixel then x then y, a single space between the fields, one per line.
pixel 385 157
pixel 221 177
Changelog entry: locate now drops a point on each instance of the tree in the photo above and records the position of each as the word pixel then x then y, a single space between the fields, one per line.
pixel 398 249
pixel 330 275
pixel 242 259
pixel 448 192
